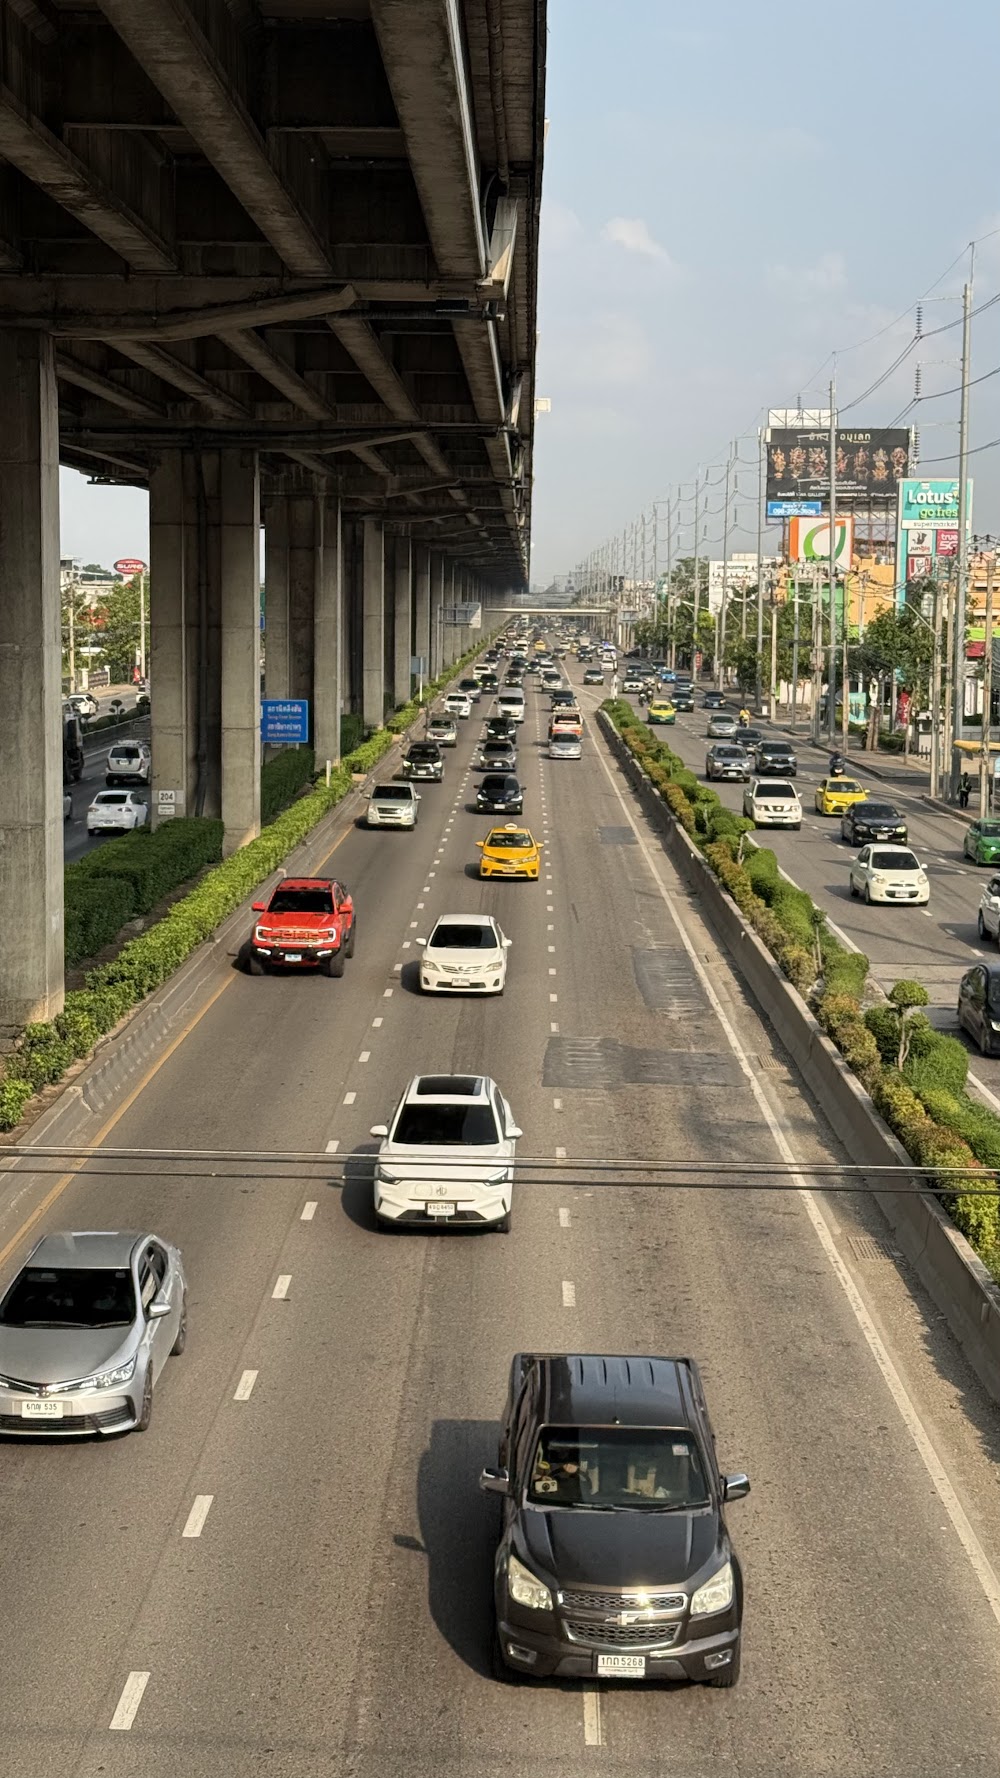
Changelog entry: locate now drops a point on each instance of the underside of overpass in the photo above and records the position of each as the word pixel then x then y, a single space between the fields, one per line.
pixel 276 261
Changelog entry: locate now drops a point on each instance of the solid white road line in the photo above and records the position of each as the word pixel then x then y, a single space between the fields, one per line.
pixel 129 1701
pixel 309 1210
pixel 593 1734
pixel 280 1292
pixel 568 1294
pixel 197 1516
pixel 244 1388
pixel 563 1218
pixel 332 1147
pixel 976 1556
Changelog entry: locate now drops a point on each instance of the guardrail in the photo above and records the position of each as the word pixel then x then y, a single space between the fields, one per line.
pixel 953 1275
pixel 116 731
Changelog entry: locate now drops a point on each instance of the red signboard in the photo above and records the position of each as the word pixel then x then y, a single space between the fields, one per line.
pixel 130 565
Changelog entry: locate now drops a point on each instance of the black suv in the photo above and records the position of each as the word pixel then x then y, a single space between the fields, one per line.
pixel 614 1558
pixel 776 759
pixel 423 759
pixel 681 695
pixel 500 794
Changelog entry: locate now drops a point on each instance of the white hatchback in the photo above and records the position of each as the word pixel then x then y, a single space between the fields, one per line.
pixel 890 873
pixel 772 802
pixel 116 809
pixel 447 1156
pixel 465 954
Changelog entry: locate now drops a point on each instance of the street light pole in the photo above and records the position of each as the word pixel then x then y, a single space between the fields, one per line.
pixel 984 745
pixel 831 696
pixel 958 661
pixel 694 612
pixel 760 582
pixel 936 694
pixel 720 671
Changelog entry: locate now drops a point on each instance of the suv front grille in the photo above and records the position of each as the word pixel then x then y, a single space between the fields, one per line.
pixel 573 1599
pixel 648 1634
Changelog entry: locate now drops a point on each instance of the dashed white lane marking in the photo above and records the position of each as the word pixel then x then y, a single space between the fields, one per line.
pixel 554 1028
pixel 563 1218
pixel 309 1210
pixel 332 1147
pixel 386 993
pixel 552 999
pixel 244 1388
pixel 397 966
pixel 432 873
pixel 413 925
pixel 365 1056
pixel 552 971
pixel 376 1024
pixel 976 1556
pixel 557 1104
pixel 349 1098
pixel 560 1154
pixel 407 943
pixel 593 1733
pixel 129 1701
pixel 420 904
pixel 568 1294
pixel 550 927
pixel 550 948
pixel 280 1291
pixel 197 1516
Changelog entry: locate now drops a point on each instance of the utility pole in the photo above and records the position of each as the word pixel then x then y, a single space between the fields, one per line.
pixel 795 651
pixel 961 561
pixel 936 694
pixel 670 587
pixel 760 583
pixel 72 637
pixel 831 696
pixel 817 656
pixel 772 702
pixel 720 671
pixel 985 762
pixel 694 606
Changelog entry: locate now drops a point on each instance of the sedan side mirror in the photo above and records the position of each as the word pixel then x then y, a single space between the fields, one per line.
pixel 158 1308
pixel 735 1487
pixel 480 844
pixel 506 944
pixel 495 1481
pixel 513 1131
pixel 379 1130
pixel 421 941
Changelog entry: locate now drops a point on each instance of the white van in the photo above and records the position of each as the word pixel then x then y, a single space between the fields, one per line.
pixel 511 703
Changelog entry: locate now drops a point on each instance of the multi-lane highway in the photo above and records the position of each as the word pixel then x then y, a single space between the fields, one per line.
pixel 95 747
pixel 932 945
pixel 340 1388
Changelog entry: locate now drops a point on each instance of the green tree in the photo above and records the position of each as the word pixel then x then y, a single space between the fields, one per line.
pixel 117 627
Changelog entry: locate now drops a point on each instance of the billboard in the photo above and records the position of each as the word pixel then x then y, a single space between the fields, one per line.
pixel 927 527
pixel 809 540
pixel 793 509
pixel 742 573
pixel 130 565
pixel 870 464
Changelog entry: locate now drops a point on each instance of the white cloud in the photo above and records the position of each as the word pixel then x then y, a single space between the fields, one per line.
pixel 561 227
pixel 632 233
pixel 829 273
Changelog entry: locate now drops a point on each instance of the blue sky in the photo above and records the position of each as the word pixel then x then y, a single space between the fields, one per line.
pixel 730 193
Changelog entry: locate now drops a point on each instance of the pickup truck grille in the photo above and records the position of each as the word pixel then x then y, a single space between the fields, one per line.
pixel 649 1634
pixel 576 1599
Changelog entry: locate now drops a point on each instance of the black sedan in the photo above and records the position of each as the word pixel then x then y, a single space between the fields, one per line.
pixel 872 821
pixel 682 698
pixel 979 1006
pixel 500 728
pixel 500 794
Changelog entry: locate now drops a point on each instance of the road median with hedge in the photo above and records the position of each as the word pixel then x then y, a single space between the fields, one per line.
pixel 127 877
pixel 915 1076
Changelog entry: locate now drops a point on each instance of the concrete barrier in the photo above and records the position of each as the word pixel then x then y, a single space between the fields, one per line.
pixel 954 1277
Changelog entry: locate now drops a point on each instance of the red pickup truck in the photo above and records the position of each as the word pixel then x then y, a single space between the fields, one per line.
pixel 308 923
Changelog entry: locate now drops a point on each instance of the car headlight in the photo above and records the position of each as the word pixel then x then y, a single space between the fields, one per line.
pixel 878 877
pixel 716 1594
pixel 428 967
pixel 113 1379
pixel 497 1178
pixel 384 1176
pixel 261 935
pixel 525 1588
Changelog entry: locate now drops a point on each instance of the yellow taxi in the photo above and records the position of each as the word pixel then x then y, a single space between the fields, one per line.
pixel 834 796
pixel 661 710
pixel 509 851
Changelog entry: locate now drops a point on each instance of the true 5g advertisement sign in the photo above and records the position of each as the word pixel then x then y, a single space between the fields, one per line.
pixel 809 540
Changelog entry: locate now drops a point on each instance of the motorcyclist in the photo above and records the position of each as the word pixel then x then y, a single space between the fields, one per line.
pixel 744 718
pixel 837 767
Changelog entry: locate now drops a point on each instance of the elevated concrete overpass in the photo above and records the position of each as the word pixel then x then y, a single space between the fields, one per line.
pixel 276 261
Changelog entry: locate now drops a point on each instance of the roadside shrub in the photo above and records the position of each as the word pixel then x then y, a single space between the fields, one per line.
pixel 844 972
pixel 352 732
pixel 942 1063
pixel 281 779
pixel 95 911
pixel 153 864
pixel 762 868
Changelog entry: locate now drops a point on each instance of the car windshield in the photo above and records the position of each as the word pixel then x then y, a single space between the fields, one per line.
pixel 104 797
pixel 301 901
pixel 518 842
pixel 773 789
pixel 393 793
pixel 67 1296
pixel 499 784
pixel 441 728
pixel 727 752
pixel 623 1468
pixel 498 749
pixel 420 754
pixel 844 787
pixel 463 935
pixel 878 812
pixel 990 830
pixel 894 861
pixel 434 1126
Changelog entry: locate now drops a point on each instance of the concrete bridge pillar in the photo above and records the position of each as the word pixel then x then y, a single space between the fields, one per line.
pixel 373 620
pixel 31 829
pixel 437 575
pixel 276 596
pixel 402 635
pixel 422 605
pixel 328 632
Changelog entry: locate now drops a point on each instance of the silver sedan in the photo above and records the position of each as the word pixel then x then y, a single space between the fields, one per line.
pixel 85 1330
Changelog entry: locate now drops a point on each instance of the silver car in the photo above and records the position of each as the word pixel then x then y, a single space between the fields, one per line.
pixel 564 747
pixel 85 1330
pixel 393 805
pixel 722 726
pixel 726 760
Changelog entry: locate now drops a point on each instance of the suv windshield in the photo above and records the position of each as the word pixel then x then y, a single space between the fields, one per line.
pixel 628 1468
pixel 393 793
pixel 422 753
pixel 70 1297
pixel 462 936
pixel 990 829
pixel 435 1126
pixel 301 901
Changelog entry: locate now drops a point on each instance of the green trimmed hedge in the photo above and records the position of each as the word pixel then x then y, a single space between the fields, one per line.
pixel 95 911
pixel 281 779
pixel 154 862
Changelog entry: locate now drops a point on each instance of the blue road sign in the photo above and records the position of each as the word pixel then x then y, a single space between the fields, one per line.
pixel 793 509
pixel 284 720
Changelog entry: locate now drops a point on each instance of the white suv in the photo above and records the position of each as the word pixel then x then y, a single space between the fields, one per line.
pixel 129 762
pixel 447 1156
pixel 772 802
pixel 393 805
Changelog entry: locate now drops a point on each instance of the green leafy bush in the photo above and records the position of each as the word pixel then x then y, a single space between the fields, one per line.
pixel 96 909
pixel 154 863
pixel 352 732
pixel 281 779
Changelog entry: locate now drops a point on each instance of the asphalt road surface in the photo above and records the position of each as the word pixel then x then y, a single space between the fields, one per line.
pixel 933 945
pixel 340 1388
pixel 76 840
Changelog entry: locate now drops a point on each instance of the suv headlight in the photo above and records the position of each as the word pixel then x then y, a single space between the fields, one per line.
pixel 385 1177
pixel 261 935
pixel 716 1594
pixel 526 1588
pixel 113 1379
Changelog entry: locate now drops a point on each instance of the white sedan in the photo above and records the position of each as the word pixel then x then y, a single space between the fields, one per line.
pixel 465 954
pixel 447 1155
pixel 889 873
pixel 457 704
pixel 116 809
pixel 772 802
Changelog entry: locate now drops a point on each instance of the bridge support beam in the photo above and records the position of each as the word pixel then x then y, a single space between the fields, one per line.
pixel 31 829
